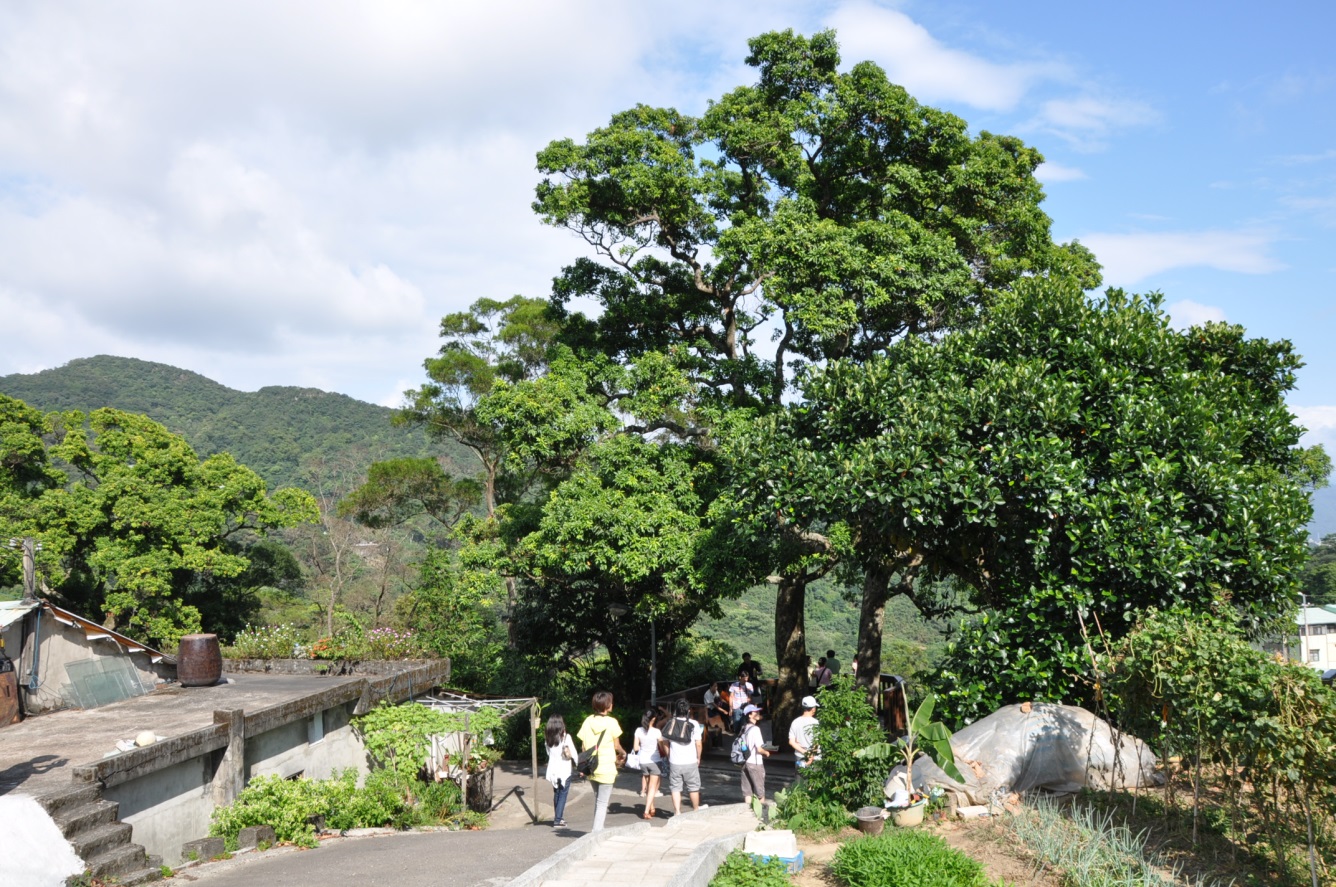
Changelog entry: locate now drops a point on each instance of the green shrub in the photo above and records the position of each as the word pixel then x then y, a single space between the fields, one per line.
pixel 743 870
pixel 906 858
pixel 288 805
pixel 387 800
pixel 397 737
pixel 847 724
pixel 797 810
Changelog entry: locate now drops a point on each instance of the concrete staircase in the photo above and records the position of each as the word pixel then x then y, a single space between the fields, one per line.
pixel 89 823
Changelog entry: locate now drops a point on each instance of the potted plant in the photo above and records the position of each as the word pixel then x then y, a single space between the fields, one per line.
pixel 924 736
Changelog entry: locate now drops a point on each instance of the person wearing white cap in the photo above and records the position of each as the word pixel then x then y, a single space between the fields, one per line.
pixel 753 771
pixel 802 734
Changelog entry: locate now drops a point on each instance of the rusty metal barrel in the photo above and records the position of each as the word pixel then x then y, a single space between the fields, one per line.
pixel 199 661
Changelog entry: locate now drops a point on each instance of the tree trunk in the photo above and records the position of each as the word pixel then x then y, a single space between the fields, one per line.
pixel 790 655
pixel 871 619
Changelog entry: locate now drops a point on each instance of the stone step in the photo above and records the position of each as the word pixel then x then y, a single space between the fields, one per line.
pixel 153 872
pixel 74 820
pixel 89 844
pixel 118 860
pixel 55 803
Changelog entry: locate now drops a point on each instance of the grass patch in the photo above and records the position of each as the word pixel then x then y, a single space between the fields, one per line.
pixel 1095 848
pixel 906 858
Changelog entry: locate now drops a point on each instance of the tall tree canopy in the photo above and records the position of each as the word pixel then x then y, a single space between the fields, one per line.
pixel 1073 460
pixel 817 214
pixel 130 519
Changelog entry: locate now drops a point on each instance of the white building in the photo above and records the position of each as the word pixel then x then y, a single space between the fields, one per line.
pixel 1317 634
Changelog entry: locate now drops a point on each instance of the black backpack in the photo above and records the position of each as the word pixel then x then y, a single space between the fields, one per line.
pixel 679 730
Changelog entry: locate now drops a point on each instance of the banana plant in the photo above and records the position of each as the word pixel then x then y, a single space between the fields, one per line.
pixel 925 736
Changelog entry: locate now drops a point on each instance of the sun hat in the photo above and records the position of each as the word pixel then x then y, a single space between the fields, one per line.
pixel 810 702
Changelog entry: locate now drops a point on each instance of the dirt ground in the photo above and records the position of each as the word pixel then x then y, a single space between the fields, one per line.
pixel 981 839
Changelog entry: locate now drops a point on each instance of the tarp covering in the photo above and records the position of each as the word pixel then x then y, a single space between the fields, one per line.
pixel 1058 749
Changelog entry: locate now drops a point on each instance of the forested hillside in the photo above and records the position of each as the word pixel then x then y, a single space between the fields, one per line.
pixel 271 430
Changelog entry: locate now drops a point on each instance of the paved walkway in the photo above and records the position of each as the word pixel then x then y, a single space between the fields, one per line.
pixel 687 850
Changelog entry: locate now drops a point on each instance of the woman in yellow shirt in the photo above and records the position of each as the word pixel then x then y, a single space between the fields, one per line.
pixel 604 731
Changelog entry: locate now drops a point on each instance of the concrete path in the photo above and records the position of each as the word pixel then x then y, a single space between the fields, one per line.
pixel 510 846
pixel 686 851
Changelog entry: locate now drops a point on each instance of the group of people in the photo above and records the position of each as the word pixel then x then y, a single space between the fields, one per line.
pixel 664 746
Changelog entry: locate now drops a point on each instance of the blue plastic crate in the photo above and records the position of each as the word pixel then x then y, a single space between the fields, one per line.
pixel 794 863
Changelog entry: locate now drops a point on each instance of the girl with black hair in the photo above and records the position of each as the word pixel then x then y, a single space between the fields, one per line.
pixel 561 757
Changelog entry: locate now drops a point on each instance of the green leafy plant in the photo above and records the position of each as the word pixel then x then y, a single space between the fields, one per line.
pixel 924 736
pixel 741 869
pixel 906 858
pixel 797 810
pixel 398 736
pixel 847 723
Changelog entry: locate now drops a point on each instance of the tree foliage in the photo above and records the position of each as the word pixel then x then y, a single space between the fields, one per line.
pixel 1069 458
pixel 133 525
pixel 1318 580
pixel 828 206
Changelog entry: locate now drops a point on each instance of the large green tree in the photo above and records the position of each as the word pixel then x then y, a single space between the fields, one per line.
pixel 1073 460
pixel 817 214
pixel 131 521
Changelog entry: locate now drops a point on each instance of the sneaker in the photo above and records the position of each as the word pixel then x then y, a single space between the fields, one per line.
pixel 560 823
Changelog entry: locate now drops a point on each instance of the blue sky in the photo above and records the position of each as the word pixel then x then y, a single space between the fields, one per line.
pixel 295 193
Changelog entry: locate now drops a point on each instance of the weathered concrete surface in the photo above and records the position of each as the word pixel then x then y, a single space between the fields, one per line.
pixel 40 753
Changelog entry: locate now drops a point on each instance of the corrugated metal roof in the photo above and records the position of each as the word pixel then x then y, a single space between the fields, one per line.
pixel 13 611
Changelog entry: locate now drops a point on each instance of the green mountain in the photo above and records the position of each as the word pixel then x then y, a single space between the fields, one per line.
pixel 271 430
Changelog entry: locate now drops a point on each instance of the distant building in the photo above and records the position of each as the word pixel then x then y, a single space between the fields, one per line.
pixel 1317 632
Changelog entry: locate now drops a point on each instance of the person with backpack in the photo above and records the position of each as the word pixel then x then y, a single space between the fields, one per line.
pixel 682 742
pixel 600 733
pixel 753 765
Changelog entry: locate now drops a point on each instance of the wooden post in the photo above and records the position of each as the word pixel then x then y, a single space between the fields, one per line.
pixel 533 756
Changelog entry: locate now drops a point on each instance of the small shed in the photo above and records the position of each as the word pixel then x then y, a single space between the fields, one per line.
pixel 63 660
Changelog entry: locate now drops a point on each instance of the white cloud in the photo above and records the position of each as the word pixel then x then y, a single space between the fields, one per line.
pixel 1049 171
pixel 1087 121
pixel 1185 313
pixel 1321 424
pixel 1130 258
pixel 931 71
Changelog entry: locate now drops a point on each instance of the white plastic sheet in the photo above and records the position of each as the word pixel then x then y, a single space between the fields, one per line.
pixel 1058 749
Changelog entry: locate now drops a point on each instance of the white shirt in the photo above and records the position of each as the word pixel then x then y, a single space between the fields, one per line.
pixel 755 739
pixel 802 731
pixel 647 745
pixel 559 767
pixel 685 752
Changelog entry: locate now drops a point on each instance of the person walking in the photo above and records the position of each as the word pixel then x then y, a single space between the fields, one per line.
pixel 645 747
pixel 683 756
pixel 832 662
pixel 602 733
pixel 802 735
pixel 561 755
pixel 753 771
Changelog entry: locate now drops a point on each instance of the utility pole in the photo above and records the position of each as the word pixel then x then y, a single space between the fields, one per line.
pixel 29 547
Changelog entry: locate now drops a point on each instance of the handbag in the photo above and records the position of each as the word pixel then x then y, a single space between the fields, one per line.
pixel 587 763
